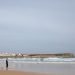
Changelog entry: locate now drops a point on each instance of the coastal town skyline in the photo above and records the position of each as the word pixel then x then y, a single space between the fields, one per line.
pixel 37 26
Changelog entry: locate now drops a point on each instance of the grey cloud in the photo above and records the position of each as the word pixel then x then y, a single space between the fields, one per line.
pixel 41 26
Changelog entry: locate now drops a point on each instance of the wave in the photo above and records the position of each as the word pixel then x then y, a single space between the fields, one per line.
pixel 43 59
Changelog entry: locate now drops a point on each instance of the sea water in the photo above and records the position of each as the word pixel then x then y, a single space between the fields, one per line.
pixel 51 66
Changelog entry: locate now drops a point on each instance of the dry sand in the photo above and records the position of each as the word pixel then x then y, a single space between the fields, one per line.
pixel 18 73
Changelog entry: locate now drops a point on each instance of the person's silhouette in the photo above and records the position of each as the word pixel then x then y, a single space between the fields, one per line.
pixel 7 64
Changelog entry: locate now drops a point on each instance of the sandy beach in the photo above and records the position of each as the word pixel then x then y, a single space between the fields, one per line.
pixel 18 73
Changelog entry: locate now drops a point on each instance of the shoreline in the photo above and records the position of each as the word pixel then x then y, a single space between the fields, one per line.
pixel 14 72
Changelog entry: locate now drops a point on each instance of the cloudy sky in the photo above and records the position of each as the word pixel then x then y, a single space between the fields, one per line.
pixel 37 26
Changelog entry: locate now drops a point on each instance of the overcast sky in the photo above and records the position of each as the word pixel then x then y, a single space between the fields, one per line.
pixel 37 26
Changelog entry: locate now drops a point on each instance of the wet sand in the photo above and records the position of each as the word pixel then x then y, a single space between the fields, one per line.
pixel 18 73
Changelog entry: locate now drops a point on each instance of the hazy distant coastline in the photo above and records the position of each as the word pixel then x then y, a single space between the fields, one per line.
pixel 19 55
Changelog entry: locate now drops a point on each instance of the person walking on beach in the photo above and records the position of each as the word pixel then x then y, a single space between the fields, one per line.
pixel 7 64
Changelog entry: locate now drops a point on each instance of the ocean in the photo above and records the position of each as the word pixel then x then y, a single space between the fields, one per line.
pixel 47 65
